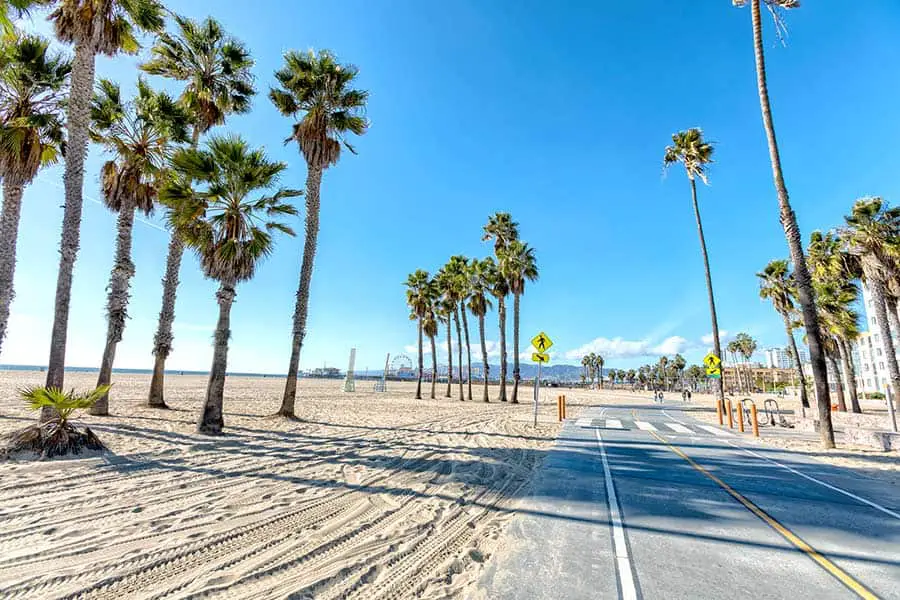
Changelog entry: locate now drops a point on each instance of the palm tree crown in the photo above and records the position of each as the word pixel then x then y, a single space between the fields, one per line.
pixel 777 284
pixel 215 67
pixel 229 232
pixel 33 86
pixel 141 134
pixel 502 230
pixel 689 148
pixel 518 265
pixel 317 87
pixel 119 21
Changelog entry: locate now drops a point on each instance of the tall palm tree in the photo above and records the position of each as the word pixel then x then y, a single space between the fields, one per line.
pixel 216 71
pixel 33 85
pixel 518 265
pixel 444 312
pixel 679 363
pixel 598 360
pixel 746 346
pixel 315 89
pixel 663 362
pixel 482 275
pixel 803 281
pixel 230 232
pixel 776 283
pixel 835 301
pixel 502 230
pixel 691 150
pixel 459 267
pixel 10 10
pixel 872 232
pixel 107 27
pixel 140 134
pixel 430 328
pixel 418 298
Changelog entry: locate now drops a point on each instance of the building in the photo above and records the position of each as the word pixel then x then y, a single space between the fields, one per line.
pixel 869 357
pixel 780 358
pixel 764 378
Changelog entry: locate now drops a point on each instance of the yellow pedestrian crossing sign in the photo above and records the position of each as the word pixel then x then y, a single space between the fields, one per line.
pixel 540 357
pixel 541 342
pixel 713 365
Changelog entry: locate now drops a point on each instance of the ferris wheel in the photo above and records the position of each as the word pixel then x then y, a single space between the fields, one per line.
pixel 401 364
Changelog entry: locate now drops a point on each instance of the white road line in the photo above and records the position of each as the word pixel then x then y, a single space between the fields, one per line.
pixel 644 425
pixel 583 422
pixel 834 488
pixel 678 428
pixel 715 431
pixel 623 562
pixel 614 424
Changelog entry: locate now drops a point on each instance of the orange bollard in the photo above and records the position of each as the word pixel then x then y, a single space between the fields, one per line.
pixel 563 400
pixel 559 407
pixel 730 415
pixel 755 421
pixel 719 410
pixel 740 412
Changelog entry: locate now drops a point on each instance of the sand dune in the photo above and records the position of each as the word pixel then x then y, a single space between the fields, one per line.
pixel 369 496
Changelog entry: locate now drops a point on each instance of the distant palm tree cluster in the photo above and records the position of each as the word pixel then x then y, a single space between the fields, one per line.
pixel 741 349
pixel 865 249
pixel 467 285
pixel 222 199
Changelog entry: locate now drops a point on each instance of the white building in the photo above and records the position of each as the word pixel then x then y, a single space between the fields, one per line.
pixel 780 358
pixel 871 364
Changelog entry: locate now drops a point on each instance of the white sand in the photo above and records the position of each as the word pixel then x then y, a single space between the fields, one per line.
pixel 370 496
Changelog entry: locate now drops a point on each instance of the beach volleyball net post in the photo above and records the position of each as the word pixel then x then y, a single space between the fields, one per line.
pixel 381 386
pixel 350 381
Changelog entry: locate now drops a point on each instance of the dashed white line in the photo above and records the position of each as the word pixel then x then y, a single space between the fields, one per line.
pixel 715 431
pixel 645 426
pixel 874 505
pixel 614 424
pixel 678 428
pixel 623 562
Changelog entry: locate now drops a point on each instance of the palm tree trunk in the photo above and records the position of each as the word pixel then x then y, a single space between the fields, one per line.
pixel 434 370
pixel 717 346
pixel 211 421
pixel 421 363
pixel 890 321
pixel 839 381
pixel 162 341
pixel 600 379
pixel 449 359
pixel 77 122
pixel 459 351
pixel 313 185
pixel 792 233
pixel 116 303
pixel 849 375
pixel 484 356
pixel 515 392
pixel 501 317
pixel 804 399
pixel 465 323
pixel 9 233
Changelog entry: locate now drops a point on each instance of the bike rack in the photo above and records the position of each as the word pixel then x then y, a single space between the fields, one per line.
pixel 745 409
pixel 772 413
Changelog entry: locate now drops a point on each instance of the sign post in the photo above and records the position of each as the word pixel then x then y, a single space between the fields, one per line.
pixel 541 343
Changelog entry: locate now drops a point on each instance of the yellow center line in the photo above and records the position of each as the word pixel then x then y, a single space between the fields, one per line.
pixel 861 590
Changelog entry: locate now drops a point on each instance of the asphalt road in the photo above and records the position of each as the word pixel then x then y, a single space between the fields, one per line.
pixel 646 502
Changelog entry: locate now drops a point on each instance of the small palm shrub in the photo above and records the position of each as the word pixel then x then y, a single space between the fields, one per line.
pixel 56 436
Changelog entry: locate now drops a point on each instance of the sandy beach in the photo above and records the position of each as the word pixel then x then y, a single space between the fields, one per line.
pixel 368 496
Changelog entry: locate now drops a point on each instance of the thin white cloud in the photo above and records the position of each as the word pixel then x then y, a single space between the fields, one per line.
pixel 612 348
pixel 725 336
pixel 671 345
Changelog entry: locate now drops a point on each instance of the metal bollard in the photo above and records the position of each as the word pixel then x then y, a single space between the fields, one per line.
pixel 719 410
pixel 755 422
pixel 728 407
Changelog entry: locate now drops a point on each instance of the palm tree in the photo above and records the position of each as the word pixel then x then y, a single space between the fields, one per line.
pixel 802 279
pixel 872 233
pixel 690 149
pixel 518 265
pixel 746 346
pixel 216 71
pixel 430 328
pixel 107 27
pixel 33 86
pixel 835 301
pixel 316 90
pixel 663 361
pixel 733 349
pixel 598 360
pixel 502 230
pixel 834 272
pixel 418 298
pixel 10 10
pixel 482 276
pixel 777 284
pixel 587 368
pixel 459 266
pixel 230 233
pixel 444 311
pixel 679 363
pixel 140 134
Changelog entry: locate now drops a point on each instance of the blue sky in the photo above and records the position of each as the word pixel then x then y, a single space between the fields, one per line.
pixel 555 112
